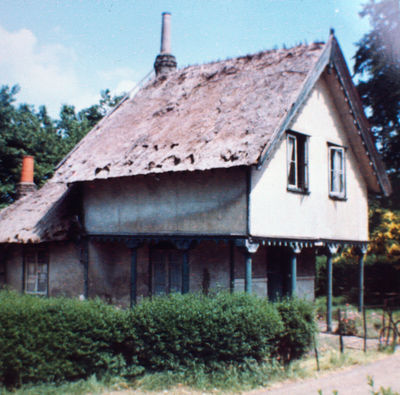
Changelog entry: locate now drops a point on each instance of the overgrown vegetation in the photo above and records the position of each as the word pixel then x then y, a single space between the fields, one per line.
pixel 59 339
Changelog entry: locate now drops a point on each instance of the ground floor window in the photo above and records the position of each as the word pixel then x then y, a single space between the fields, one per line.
pixel 36 272
pixel 166 271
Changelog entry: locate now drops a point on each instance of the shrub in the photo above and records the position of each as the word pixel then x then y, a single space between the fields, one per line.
pixel 60 339
pixel 180 330
pixel 299 328
pixel 55 339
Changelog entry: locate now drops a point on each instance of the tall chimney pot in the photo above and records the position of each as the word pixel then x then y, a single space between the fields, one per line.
pixel 26 184
pixel 27 169
pixel 165 62
pixel 166 33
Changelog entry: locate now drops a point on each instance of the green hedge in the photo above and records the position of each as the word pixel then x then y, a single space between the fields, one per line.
pixel 180 330
pixel 299 328
pixel 58 339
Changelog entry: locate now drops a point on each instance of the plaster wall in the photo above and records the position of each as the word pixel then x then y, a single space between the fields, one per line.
pixel 208 202
pixel 65 270
pixel 14 259
pixel 209 267
pixel 276 212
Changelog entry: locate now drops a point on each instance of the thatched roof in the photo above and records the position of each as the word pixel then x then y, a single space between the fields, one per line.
pixel 216 115
pixel 37 217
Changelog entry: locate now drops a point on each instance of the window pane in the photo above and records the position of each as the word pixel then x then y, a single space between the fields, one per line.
pixel 292 161
pixel 31 283
pixel 31 269
pixel 336 163
pixel 42 282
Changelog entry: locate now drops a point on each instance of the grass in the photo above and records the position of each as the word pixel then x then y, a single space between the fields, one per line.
pixel 81 387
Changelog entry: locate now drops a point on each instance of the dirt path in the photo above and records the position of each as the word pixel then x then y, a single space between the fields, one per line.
pixel 352 380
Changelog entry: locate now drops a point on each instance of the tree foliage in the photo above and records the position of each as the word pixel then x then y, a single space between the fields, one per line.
pixel 24 131
pixel 377 66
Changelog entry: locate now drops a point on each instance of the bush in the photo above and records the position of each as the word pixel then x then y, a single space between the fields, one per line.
pixel 180 330
pixel 60 339
pixel 299 328
pixel 56 339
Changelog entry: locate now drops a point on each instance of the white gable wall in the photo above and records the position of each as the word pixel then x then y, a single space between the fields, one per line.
pixel 276 212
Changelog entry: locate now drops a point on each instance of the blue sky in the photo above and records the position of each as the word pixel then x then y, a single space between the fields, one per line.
pixel 66 51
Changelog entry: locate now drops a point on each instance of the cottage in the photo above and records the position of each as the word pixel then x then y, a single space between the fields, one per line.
pixel 227 175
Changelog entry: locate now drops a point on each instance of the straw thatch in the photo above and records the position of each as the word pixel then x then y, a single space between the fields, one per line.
pixel 37 217
pixel 215 115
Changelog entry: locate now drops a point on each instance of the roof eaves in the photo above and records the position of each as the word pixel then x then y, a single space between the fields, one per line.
pixel 360 119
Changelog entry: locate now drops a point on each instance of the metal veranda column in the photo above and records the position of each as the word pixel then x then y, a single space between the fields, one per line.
pixel 293 269
pixel 331 250
pixel 185 272
pixel 250 249
pixel 184 246
pixel 85 262
pixel 361 260
pixel 231 266
pixel 133 245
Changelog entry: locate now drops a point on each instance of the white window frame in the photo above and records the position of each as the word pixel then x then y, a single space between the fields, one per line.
pixel 297 161
pixel 36 272
pixel 337 171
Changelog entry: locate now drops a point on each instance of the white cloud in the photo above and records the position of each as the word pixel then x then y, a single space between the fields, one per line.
pixel 48 74
pixel 121 80
pixel 45 73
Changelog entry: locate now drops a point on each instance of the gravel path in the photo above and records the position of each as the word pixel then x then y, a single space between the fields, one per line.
pixel 352 380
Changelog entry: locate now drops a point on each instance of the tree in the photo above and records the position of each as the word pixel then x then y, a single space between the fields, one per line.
pixel 377 66
pixel 23 131
pixel 74 126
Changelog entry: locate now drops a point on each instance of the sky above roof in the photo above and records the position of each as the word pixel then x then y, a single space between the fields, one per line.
pixel 66 52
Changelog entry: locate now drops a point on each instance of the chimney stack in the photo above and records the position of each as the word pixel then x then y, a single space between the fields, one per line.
pixel 165 61
pixel 26 184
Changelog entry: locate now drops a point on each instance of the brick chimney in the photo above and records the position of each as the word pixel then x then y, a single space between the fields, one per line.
pixel 165 61
pixel 26 184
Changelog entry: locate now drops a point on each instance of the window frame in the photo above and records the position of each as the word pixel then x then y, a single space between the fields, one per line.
pixel 299 166
pixel 40 260
pixel 171 259
pixel 334 173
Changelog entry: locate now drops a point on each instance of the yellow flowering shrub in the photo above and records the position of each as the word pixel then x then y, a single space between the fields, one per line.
pixel 385 234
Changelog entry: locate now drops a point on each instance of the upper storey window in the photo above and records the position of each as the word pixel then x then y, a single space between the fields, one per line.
pixel 337 172
pixel 297 162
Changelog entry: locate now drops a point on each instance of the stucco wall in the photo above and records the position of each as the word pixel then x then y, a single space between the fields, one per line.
pixel 65 270
pixel 191 202
pixel 14 259
pixel 275 212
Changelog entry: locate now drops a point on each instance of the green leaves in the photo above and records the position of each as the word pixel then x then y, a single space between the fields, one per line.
pixel 23 131
pixel 377 65
pixel 60 339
